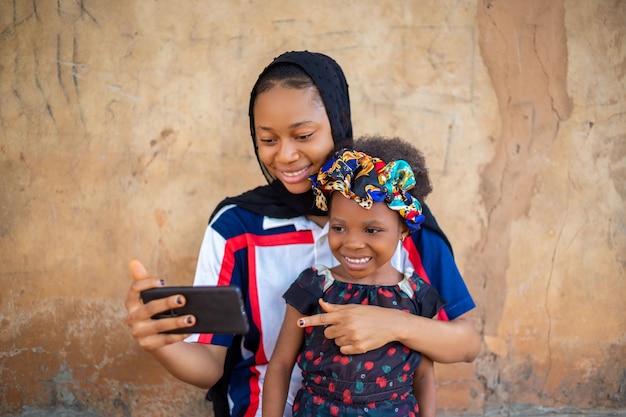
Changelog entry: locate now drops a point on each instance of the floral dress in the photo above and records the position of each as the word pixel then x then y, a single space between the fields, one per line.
pixel 375 383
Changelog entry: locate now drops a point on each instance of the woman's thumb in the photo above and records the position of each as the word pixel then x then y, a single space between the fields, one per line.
pixel 327 307
pixel 137 269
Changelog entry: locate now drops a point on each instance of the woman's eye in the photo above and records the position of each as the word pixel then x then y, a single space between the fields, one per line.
pixel 336 228
pixel 371 230
pixel 266 141
pixel 304 137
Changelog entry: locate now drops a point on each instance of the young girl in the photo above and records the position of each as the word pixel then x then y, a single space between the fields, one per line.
pixel 371 213
pixel 299 112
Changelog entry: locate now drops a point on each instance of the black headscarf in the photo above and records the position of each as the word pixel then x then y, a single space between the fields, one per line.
pixel 274 200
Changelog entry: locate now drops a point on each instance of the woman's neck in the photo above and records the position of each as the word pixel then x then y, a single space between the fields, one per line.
pixel 319 220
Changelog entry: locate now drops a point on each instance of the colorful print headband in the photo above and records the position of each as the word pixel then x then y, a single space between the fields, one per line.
pixel 367 180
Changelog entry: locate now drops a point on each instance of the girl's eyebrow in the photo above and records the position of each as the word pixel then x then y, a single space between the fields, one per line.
pixel 373 222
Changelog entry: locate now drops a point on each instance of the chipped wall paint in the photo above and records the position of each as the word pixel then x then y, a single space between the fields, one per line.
pixel 123 124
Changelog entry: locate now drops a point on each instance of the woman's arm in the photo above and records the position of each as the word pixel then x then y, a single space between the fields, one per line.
pixel 194 363
pixel 443 341
pixel 359 328
pixel 425 388
pixel 278 375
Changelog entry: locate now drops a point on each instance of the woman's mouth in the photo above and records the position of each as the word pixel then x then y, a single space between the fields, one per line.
pixel 295 176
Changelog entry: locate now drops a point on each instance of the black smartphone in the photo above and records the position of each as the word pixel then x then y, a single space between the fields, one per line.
pixel 217 309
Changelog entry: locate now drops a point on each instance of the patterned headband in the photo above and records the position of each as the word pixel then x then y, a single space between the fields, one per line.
pixel 367 180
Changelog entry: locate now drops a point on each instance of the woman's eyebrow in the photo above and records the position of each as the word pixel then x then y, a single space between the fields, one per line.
pixel 291 126
pixel 302 123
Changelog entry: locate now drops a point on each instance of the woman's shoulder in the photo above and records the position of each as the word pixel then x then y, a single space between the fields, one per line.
pixel 246 201
pixel 234 217
pixel 231 217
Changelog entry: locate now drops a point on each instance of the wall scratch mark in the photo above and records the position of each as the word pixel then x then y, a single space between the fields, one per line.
pixel 35 12
pixel 75 79
pixel 60 68
pixel 84 11
pixel 40 87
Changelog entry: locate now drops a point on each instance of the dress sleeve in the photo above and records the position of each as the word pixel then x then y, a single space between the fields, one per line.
pixel 428 299
pixel 305 291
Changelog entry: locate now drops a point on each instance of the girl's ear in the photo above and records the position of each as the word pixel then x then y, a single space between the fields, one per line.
pixel 404 232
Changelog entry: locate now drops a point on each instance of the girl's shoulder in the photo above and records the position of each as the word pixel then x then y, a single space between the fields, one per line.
pixel 427 296
pixel 313 274
pixel 314 278
pixel 417 283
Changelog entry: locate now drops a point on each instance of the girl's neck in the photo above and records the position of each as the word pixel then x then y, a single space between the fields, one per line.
pixel 382 277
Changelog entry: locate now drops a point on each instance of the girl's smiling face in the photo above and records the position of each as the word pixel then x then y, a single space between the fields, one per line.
pixel 364 241
pixel 293 135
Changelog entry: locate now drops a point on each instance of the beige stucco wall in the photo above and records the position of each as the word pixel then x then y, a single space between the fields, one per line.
pixel 123 123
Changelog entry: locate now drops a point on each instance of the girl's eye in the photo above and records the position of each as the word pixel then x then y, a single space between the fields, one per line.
pixel 337 228
pixel 371 230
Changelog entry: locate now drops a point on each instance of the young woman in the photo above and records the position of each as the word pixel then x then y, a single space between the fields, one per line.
pixel 370 213
pixel 299 113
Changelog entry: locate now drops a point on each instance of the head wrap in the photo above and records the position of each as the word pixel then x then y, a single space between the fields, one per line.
pixel 331 83
pixel 368 180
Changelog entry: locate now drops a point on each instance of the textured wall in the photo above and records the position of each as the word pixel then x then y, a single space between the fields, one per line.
pixel 123 123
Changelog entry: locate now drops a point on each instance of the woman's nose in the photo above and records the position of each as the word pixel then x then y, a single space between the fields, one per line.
pixel 287 152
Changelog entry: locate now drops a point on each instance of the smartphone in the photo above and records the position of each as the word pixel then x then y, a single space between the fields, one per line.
pixel 217 309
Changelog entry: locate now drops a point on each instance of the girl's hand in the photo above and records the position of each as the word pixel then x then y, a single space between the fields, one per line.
pixel 143 328
pixel 355 328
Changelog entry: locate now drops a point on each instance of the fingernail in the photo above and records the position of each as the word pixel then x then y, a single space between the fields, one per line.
pixel 161 282
pixel 179 300
pixel 301 322
pixel 188 320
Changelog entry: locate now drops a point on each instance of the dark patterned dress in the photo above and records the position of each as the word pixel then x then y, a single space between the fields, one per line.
pixel 375 383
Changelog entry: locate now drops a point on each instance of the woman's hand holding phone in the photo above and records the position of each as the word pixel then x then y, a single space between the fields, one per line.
pixel 147 331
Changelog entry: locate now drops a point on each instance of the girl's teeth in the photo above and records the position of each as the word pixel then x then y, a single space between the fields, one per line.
pixel 358 261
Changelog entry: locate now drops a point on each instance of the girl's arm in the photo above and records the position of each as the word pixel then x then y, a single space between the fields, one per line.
pixel 194 363
pixel 360 328
pixel 425 389
pixel 280 367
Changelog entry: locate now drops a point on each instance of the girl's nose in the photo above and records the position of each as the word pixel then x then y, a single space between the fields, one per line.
pixel 353 241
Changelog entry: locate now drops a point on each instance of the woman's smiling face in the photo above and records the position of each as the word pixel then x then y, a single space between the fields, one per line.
pixel 293 135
